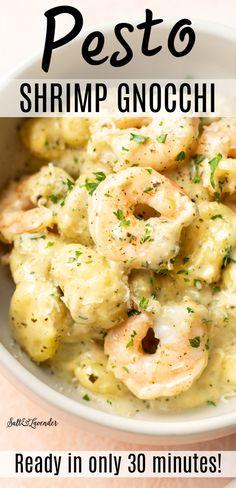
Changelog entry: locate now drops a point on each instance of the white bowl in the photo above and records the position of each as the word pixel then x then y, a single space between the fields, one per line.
pixel 211 57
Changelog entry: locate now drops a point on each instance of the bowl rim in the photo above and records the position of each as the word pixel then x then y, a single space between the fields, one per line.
pixel 151 428
pixel 175 429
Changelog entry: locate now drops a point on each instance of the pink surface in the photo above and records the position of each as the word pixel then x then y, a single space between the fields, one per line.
pixel 65 436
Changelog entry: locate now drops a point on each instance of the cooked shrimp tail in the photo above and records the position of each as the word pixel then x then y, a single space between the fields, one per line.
pixel 160 357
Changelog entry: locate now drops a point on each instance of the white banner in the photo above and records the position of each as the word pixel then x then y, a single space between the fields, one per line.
pixel 188 97
pixel 117 464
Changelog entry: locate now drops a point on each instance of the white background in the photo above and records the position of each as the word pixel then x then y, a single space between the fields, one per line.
pixel 22 22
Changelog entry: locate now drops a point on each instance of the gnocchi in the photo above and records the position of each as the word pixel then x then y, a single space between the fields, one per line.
pixel 123 253
pixel 95 290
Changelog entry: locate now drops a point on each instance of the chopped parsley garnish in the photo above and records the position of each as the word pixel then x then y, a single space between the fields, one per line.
pixel 90 185
pixel 217 216
pixel 181 156
pixel 138 138
pixel 162 271
pixel 162 138
pixel 132 336
pixel 216 289
pixel 73 259
pixel 196 161
pixel 210 402
pixel 227 258
pixel 143 302
pixel 206 321
pixel 38 237
pixel 146 235
pixel 126 369
pixel 182 271
pixel 221 185
pixel 217 196
pixel 133 311
pixel 190 310
pixel 199 158
pixel 57 199
pixel 195 342
pixel 50 244
pixel 100 176
pixel 147 189
pixel 70 184
pixel 54 198
pixel 120 216
pixel 86 397
pixel 149 170
pixel 197 284
pixel 213 165
pixel 185 259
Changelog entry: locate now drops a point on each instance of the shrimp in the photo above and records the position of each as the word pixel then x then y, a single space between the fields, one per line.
pixel 160 144
pixel 116 217
pixel 32 204
pixel 17 214
pixel 162 356
pixel 218 144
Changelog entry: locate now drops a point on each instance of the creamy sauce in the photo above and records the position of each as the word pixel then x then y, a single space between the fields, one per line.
pixel 68 296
